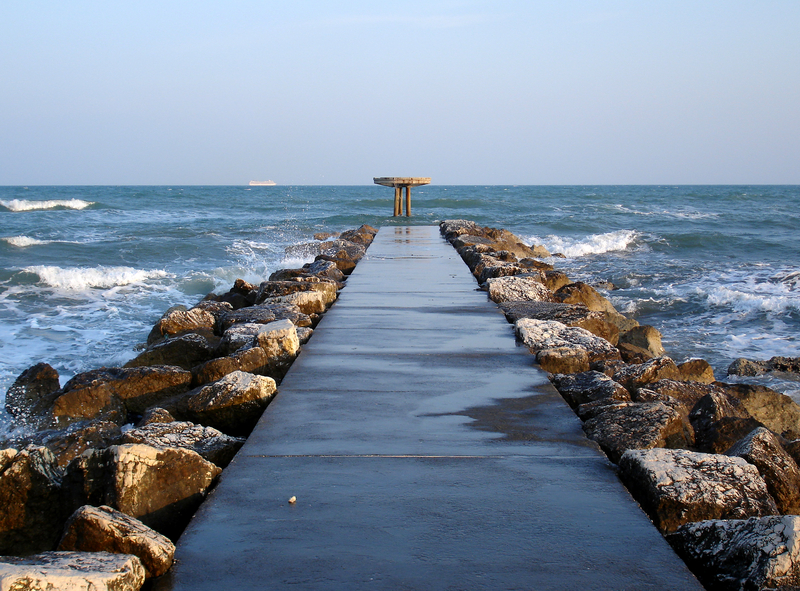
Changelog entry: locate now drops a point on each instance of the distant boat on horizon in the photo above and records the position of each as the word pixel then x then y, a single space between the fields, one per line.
pixel 262 183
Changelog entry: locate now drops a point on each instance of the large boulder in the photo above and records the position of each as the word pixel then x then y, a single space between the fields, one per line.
pixel 250 359
pixel 178 320
pixel 643 425
pixel 271 289
pixel 30 497
pixel 588 386
pixel 697 370
pixel 263 314
pixel 263 349
pixel 162 487
pixel 111 392
pixel 569 314
pixel 240 336
pixel 719 421
pixel 762 449
pixel 676 486
pixel 776 411
pixel 232 404
pixel 452 228
pixel 32 393
pixel 641 374
pixel 517 288
pixel 185 351
pixel 309 302
pixel 563 349
pixel 211 444
pixel 746 367
pixel 687 393
pixel 742 554
pixel 491 267
pixel 643 339
pixel 363 235
pixel 582 293
pixel 78 571
pixel 104 529
pixel 279 340
pixel 71 441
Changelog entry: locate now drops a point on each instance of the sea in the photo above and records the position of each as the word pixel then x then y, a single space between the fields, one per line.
pixel 85 271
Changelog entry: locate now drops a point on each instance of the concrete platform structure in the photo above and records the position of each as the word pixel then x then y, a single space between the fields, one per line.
pixel 426 451
pixel 399 183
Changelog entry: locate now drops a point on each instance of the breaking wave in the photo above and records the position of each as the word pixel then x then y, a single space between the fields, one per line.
pixel 26 205
pixel 81 278
pixel 594 244
pixel 23 241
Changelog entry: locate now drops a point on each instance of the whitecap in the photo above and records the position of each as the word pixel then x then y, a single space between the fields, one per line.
pixel 23 241
pixel 28 205
pixel 81 278
pixel 593 244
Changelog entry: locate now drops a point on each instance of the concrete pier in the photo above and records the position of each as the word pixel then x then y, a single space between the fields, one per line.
pixel 425 451
pixel 399 183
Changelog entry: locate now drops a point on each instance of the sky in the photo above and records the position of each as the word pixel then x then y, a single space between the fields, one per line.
pixel 466 92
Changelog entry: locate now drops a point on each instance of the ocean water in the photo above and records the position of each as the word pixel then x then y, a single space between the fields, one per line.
pixel 86 271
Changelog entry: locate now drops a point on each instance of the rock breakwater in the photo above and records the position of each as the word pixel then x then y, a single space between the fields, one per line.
pixel 713 464
pixel 118 459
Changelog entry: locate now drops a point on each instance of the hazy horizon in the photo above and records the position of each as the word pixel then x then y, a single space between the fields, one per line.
pixel 466 92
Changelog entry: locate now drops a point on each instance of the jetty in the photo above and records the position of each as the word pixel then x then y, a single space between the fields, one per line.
pixel 414 444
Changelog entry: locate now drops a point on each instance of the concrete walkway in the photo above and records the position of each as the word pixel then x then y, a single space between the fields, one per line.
pixel 426 451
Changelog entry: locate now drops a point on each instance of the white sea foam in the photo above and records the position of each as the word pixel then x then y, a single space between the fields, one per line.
pixel 27 205
pixel 81 278
pixel 23 241
pixel 593 244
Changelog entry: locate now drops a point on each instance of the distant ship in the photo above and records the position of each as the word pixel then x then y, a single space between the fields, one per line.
pixel 262 183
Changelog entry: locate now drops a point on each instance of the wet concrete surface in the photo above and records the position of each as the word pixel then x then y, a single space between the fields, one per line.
pixel 426 451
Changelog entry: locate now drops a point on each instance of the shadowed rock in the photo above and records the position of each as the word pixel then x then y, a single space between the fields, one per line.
pixel 589 386
pixel 642 425
pixel 719 421
pixel 30 496
pixel 736 555
pixel 32 393
pixel 640 374
pixel 184 351
pixel 776 411
pixel 762 449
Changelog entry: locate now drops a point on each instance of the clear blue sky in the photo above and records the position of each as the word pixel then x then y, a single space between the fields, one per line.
pixel 472 92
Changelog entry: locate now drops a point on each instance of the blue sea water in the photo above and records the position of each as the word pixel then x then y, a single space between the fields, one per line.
pixel 86 271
